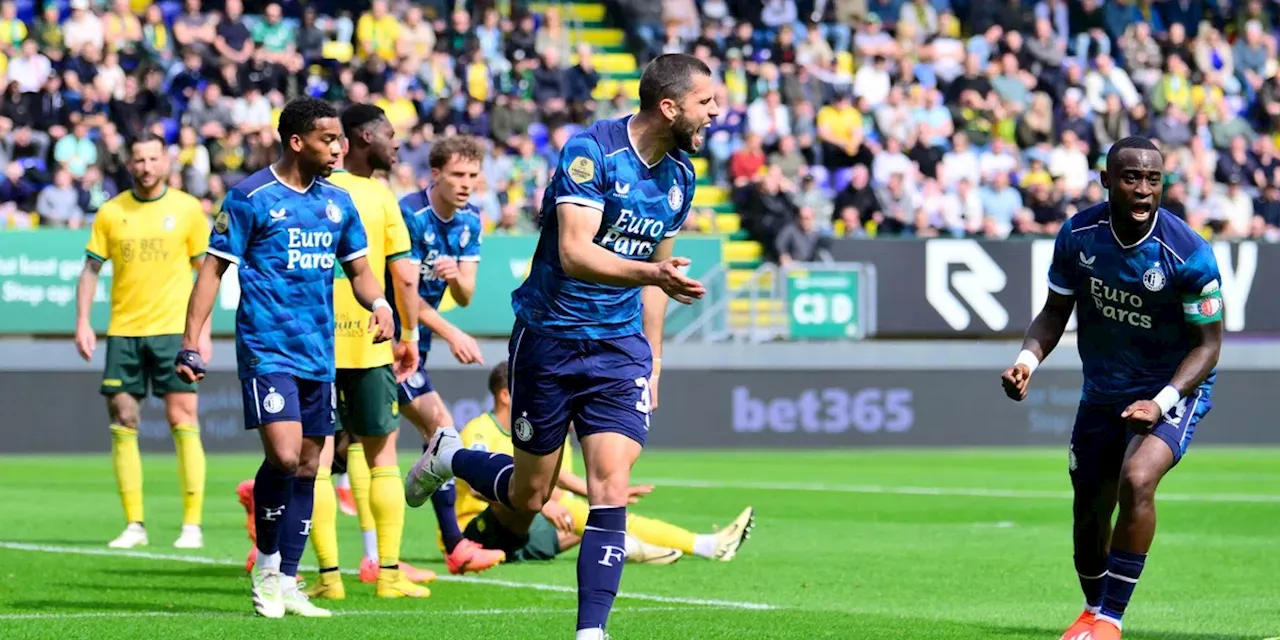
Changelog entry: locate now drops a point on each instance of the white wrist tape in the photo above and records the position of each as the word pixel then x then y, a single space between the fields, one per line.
pixel 380 303
pixel 1029 359
pixel 410 335
pixel 1167 397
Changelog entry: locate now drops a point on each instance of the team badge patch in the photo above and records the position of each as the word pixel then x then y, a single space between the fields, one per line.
pixel 333 212
pixel 675 197
pixel 523 430
pixel 465 238
pixel 1210 306
pixel 1153 279
pixel 273 402
pixel 417 380
pixel 582 170
pixel 222 222
pixel 169 223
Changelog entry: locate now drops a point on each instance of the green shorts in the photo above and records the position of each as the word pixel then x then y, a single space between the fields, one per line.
pixel 367 402
pixel 133 364
pixel 543 542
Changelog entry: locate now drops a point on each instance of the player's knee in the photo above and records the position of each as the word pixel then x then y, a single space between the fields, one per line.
pixel 609 487
pixel 1138 483
pixel 124 413
pixel 284 461
pixel 529 500
pixel 180 413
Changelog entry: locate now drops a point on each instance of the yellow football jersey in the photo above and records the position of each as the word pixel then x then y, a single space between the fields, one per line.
pixel 485 434
pixel 388 240
pixel 150 244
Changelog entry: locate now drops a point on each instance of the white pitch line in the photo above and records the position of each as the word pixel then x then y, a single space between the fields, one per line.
pixel 821 487
pixel 337 613
pixel 147 555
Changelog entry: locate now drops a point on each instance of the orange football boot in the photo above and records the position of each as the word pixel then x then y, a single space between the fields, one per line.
pixel 245 492
pixel 471 557
pixel 1082 627
pixel 1105 630
pixel 369 570
pixel 347 501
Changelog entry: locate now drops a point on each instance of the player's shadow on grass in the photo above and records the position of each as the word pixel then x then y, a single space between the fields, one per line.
pixel 114 606
pixel 1138 634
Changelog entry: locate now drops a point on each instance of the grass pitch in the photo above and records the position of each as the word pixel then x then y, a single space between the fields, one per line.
pixel 868 545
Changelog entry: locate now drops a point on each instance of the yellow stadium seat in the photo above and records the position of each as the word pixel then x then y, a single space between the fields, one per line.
pixel 607 89
pixel 844 62
pixel 339 51
pixel 617 63
pixel 710 196
pixel 600 37
pixel 728 223
pixel 581 12
pixel 743 251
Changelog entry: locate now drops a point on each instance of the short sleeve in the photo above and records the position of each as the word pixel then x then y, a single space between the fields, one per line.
pixel 353 243
pixel 579 177
pixel 470 250
pixel 99 247
pixel 397 234
pixel 232 228
pixel 412 225
pixel 197 231
pixel 1200 286
pixel 1063 277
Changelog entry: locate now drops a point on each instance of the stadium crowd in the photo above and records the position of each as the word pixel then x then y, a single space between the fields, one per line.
pixel 840 118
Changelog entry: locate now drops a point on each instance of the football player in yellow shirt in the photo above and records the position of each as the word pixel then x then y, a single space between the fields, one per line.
pixel 154 237
pixel 563 519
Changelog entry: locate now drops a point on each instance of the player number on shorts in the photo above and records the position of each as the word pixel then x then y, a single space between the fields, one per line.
pixel 645 404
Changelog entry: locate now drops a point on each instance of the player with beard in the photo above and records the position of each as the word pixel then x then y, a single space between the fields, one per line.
pixel 287 228
pixel 153 236
pixel 586 347
pixel 1147 291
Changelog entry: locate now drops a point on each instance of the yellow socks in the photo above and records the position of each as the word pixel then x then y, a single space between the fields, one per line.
pixel 324 521
pixel 191 471
pixel 386 493
pixel 358 473
pixel 663 534
pixel 128 467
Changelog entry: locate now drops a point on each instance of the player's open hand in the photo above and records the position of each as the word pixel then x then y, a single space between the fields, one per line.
pixel 382 325
pixel 406 355
pixel 559 516
pixel 86 341
pixel 465 348
pixel 1015 380
pixel 445 268
pixel 680 287
pixel 1142 416
pixel 639 491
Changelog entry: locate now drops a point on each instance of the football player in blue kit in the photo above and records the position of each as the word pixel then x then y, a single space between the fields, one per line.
pixel 1147 291
pixel 286 228
pixel 587 342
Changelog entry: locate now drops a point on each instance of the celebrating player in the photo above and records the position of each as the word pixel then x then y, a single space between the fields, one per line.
pixel 286 227
pixel 154 236
pixel 582 350
pixel 1150 318
pixel 367 405
pixel 445 229
pixel 562 522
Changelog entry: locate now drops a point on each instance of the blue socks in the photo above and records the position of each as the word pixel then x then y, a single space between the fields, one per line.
pixel 487 473
pixel 272 494
pixel 297 525
pixel 1123 570
pixel 600 560
pixel 1093 578
pixel 442 501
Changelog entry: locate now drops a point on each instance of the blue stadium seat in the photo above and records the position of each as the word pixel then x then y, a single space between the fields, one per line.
pixel 171 127
pixel 841 179
pixel 538 133
pixel 170 10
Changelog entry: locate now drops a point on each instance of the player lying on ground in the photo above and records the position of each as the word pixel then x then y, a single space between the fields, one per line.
pixel 582 351
pixel 286 228
pixel 1146 288
pixel 365 380
pixel 153 236
pixel 562 522
pixel 446 232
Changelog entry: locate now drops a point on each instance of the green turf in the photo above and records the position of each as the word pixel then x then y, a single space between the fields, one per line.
pixel 901 545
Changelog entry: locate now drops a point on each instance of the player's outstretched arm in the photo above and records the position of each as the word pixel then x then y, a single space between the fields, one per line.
pixel 370 296
pixel 465 348
pixel 1040 340
pixel 583 259
pixel 86 339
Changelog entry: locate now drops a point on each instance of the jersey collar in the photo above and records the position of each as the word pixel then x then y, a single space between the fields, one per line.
pixel 286 185
pixel 498 425
pixel 141 199
pixel 631 143
pixel 1154 221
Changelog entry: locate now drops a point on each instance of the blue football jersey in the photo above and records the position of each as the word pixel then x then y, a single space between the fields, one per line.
pixel 286 244
pixel 458 237
pixel 642 205
pixel 1134 303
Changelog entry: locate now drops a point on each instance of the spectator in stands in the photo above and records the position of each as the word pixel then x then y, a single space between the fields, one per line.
pixel 59 203
pixel 802 241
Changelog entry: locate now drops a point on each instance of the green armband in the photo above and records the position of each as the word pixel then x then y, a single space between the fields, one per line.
pixel 1203 308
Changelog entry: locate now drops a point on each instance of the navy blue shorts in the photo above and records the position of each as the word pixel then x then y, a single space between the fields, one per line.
pixel 1100 438
pixel 418 384
pixel 598 385
pixel 282 397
